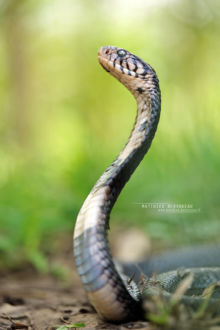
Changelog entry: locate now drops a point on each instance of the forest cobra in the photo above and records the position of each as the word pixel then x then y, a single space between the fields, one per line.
pixel 111 291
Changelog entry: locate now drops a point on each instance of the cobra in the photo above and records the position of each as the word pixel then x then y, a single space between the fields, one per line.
pixel 113 296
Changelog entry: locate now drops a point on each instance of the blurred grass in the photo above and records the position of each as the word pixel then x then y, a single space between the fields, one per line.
pixel 63 119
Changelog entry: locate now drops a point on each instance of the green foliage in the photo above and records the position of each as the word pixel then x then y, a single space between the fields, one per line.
pixel 63 120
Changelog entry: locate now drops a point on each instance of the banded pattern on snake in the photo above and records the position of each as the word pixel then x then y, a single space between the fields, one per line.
pixel 107 288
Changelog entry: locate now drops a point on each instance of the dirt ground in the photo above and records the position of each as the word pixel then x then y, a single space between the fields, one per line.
pixel 28 301
pixel 32 301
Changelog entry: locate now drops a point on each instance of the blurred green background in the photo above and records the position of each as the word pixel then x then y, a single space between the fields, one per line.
pixel 63 119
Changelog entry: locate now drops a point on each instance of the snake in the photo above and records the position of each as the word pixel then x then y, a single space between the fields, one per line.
pixel 111 287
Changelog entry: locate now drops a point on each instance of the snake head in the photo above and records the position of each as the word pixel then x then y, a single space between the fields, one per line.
pixel 132 71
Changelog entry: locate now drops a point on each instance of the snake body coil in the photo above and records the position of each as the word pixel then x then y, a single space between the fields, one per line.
pixel 108 290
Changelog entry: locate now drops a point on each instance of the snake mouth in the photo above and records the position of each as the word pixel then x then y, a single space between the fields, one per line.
pixel 101 61
pixel 104 68
pixel 114 68
pixel 106 63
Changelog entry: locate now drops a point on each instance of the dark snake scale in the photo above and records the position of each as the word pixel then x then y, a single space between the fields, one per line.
pixel 112 295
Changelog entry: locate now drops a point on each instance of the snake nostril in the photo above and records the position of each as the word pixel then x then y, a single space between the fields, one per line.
pixel 107 51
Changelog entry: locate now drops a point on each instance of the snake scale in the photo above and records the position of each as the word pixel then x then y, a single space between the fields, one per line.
pixel 114 297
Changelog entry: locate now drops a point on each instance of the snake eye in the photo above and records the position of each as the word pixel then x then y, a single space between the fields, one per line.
pixel 121 52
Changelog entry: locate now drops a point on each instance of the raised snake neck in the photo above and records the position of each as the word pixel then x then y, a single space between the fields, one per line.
pixel 107 290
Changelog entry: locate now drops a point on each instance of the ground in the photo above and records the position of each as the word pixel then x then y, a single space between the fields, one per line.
pixel 29 300
pixel 34 300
